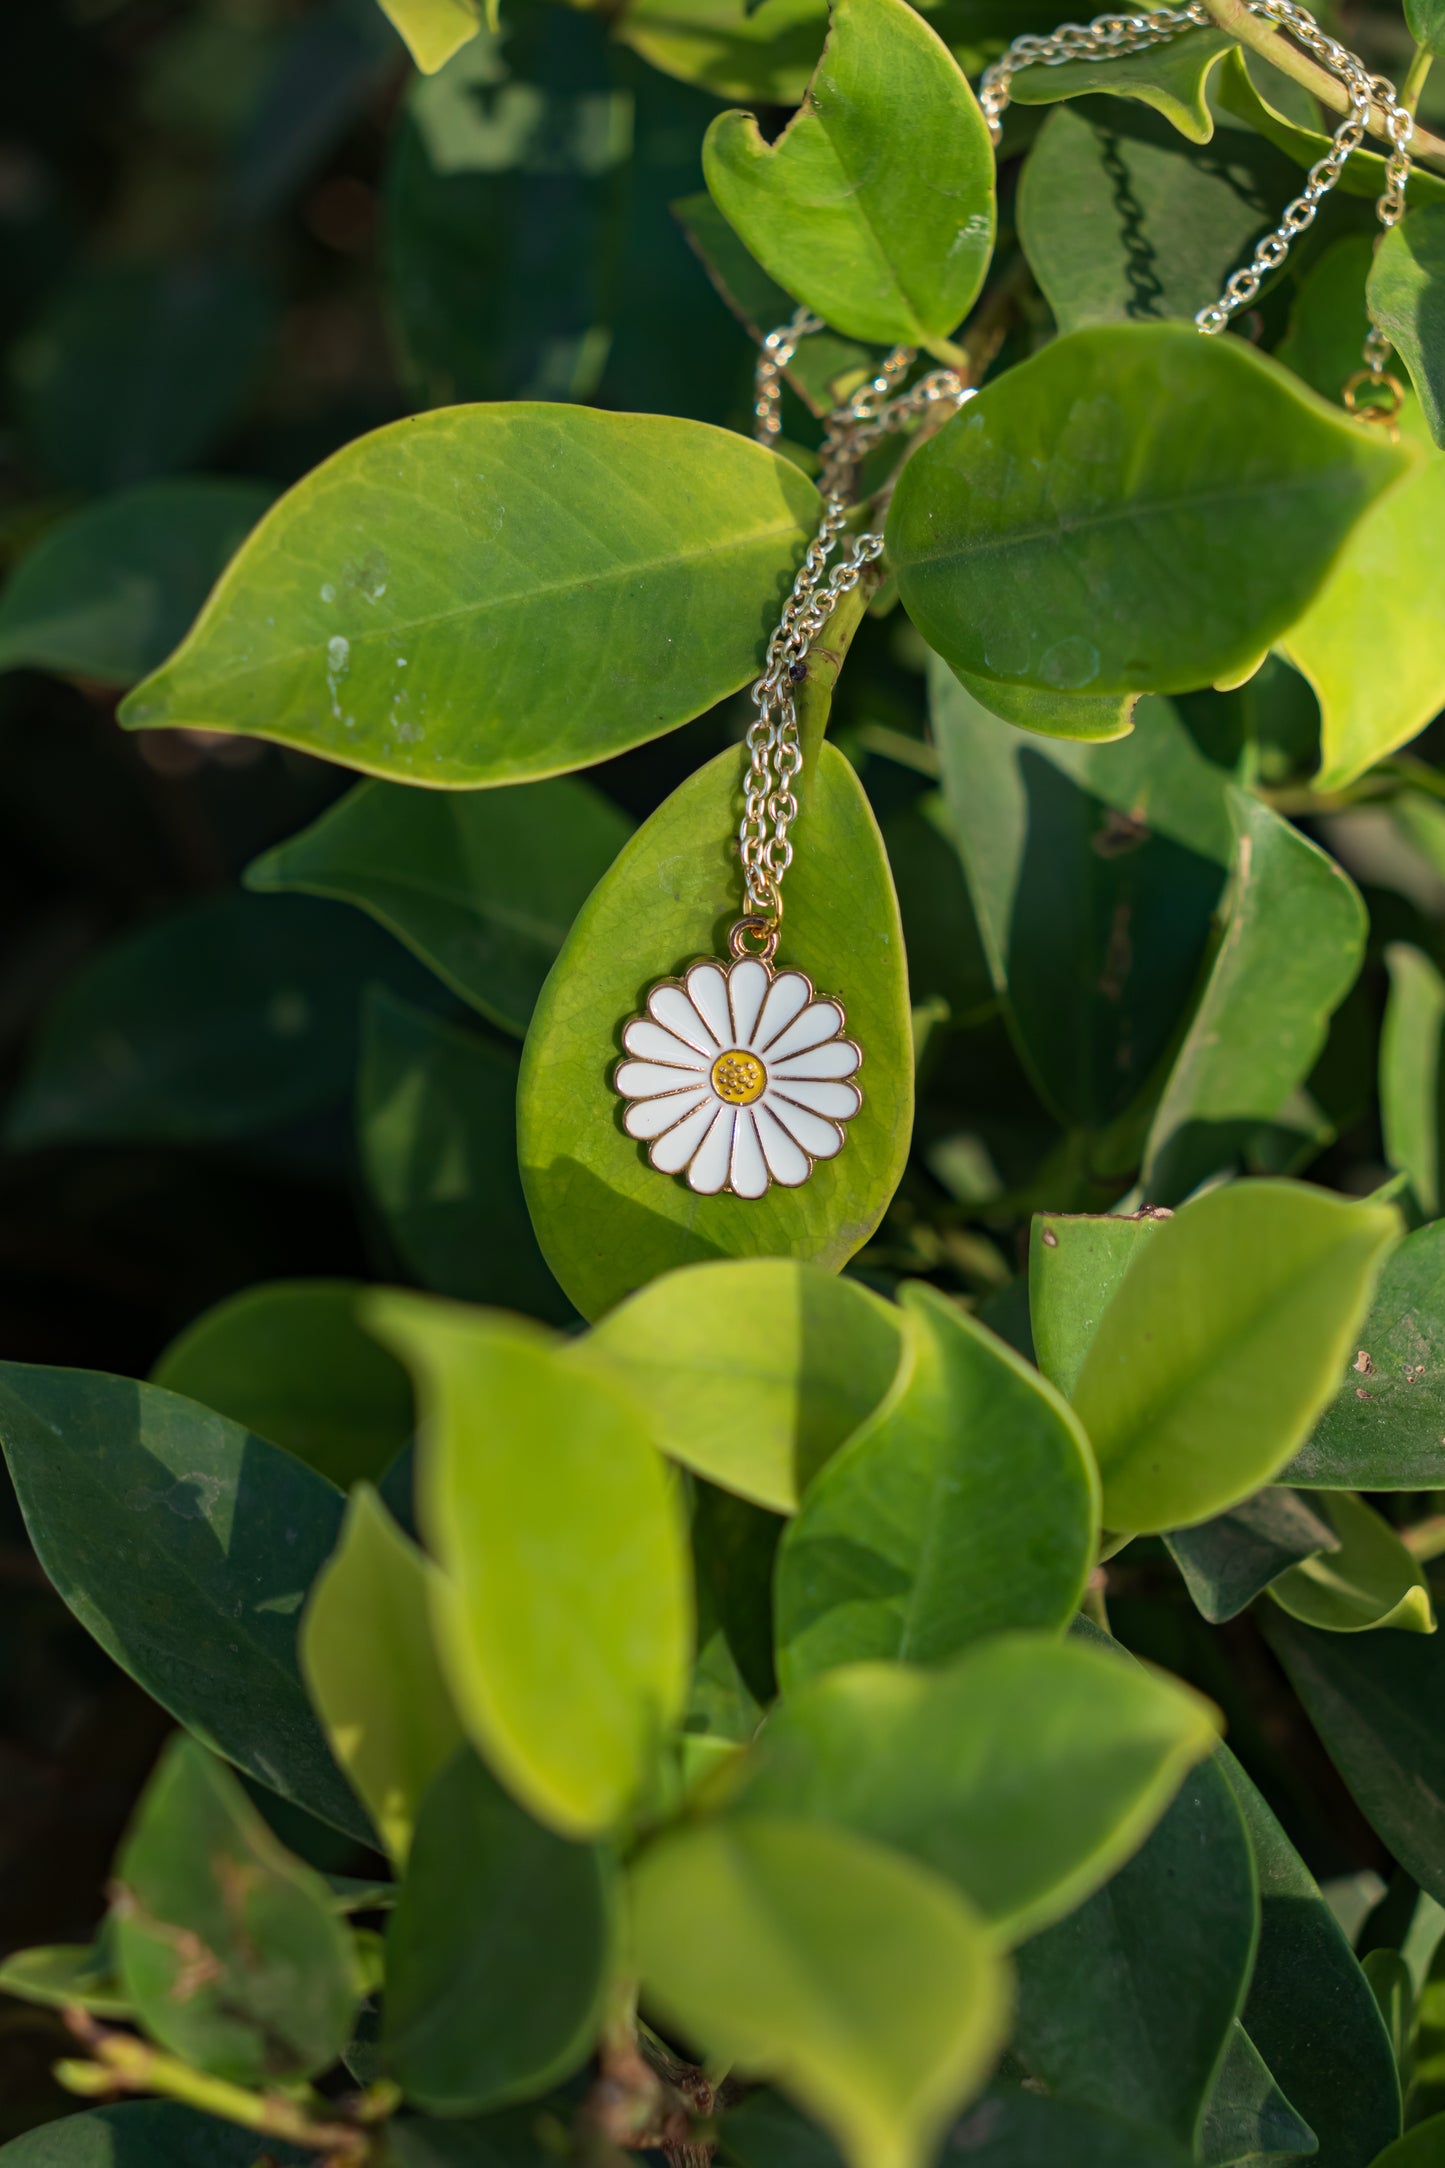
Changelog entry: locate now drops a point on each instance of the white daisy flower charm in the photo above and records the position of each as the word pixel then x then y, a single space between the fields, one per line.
pixel 738 1077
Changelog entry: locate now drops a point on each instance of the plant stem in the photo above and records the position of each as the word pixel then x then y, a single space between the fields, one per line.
pixel 1414 81
pixel 824 661
pixel 1235 17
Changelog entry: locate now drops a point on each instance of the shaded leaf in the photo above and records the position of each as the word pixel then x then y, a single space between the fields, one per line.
pixel 753 1372
pixel 1410 1079
pixel 1385 1428
pixel 1215 1357
pixel 1173 78
pixel 141 2134
pixel 1407 299
pixel 510 2139
pixel 1076 1263
pixel 969 1503
pixel 1246 2117
pixel 1369 1579
pixel 1236 89
pixel 1029 2130
pixel 372 618
pixel 607 1221
pixel 1230 1560
pixel 863 1984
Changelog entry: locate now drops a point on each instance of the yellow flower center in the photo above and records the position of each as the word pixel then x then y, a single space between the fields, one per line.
pixel 739 1078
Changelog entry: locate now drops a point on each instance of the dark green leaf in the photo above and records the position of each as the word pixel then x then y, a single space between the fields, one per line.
pixel 142 2134
pixel 231 1950
pixel 511 2139
pixel 107 592
pixel 1329 320
pixel 1246 2118
pixel 1135 509
pixel 291 1362
pixel 1228 1561
pixel 481 885
pixel 186 1547
pixel 1385 1428
pixel 969 1503
pixel 1410 1078
pixel 1076 1262
pixel 372 618
pixel 437 1126
pixel 1173 78
pixel 498 1954
pixel 1028 2130
pixel 1407 300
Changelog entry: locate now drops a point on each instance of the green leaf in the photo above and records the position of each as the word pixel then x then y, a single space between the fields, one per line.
pixel 767 52
pixel 1222 1345
pixel 481 885
pixel 753 1372
pixel 1406 292
pixel 1427 24
pixel 1369 1580
pixel 969 1503
pixel 1172 78
pixel 1228 1561
pixel 142 2134
pixel 233 1015
pixel 1410 1079
pixel 1094 873
pixel 1370 643
pixel 1310 2011
pixel 515 2138
pixel 372 617
pixel 1422 2147
pixel 1236 91
pixel 1076 1262
pixel 433 29
pixel 864 1985
pixel 1291 943
pixel 1054 715
pixel 107 591
pixel 1135 509
pixel 1393 1987
pixel 230 1950
pixel 607 1221
pixel 1026 1772
pixel 290 1361
pixel 945 952
pixel 1385 1428
pixel 1246 2118
pixel 68 1973
pixel 1120 220
pixel 185 1546
pixel 884 249
pixel 1329 320
pixel 1022 2129
pixel 1375 1702
pixel 1101 2014
pixel 372 1672
pixel 563 1608
pixel 436 1130
pixel 499 1953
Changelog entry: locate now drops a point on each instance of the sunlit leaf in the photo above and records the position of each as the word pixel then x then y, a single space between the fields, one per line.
pixel 1368 1580
pixel 434 29
pixel 1076 1262
pixel 1172 77
pixel 1407 298
pixel 1410 1079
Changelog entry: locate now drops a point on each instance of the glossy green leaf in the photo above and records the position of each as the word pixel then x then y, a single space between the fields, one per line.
pixel 1291 943
pixel 481 885
pixel 1228 1561
pixel 1310 2011
pixel 230 1950
pixel 1124 222
pixel 1135 509
pixel 436 1129
pixel 1094 873
pixel 607 1221
pixel 372 617
pixel 1222 1345
pixel 1371 643
pixel 185 1546
pixel 1407 299
pixel 1101 2015
pixel 969 1503
pixel 1022 2129
pixel 291 1361
pixel 372 1672
pixel 1054 715
pixel 863 1984
pixel 107 592
pixel 1410 1072
pixel 753 1372
pixel 1076 1262
pixel 1374 1699
pixel 884 249
pixel 434 29
pixel 1026 1772
pixel 81 1975
pixel 142 2134
pixel 1237 90
pixel 1385 1428
pixel 230 1016
pixel 563 1607
pixel 766 52
pixel 499 1952
pixel 1173 78
pixel 1246 2118
pixel 1369 1580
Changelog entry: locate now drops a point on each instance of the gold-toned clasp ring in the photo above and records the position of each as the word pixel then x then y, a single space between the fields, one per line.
pixel 1376 414
pixel 756 933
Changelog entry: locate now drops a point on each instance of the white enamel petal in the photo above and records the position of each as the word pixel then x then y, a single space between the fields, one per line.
pixel 709 1169
pixel 786 996
pixel 645 1079
pixel 650 1117
pixel 839 1102
pixel 835 1057
pixel 747 984
pixel 819 1021
pixel 787 1163
pixel 672 1152
pixel 671 1006
pixel 748 1176
pixel 819 1139
pixel 708 986
pixel 652 1043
